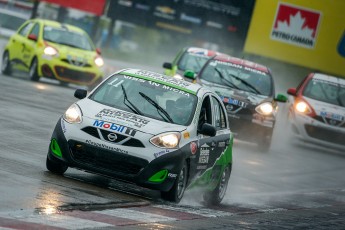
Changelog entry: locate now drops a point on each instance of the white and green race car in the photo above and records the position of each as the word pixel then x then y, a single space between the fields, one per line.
pixel 150 129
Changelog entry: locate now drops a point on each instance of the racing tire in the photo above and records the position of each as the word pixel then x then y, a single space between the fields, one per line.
pixel 214 197
pixel 33 71
pixel 175 194
pixel 6 67
pixel 56 167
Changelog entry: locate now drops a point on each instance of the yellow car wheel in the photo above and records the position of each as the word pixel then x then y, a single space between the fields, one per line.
pixel 33 70
pixel 6 64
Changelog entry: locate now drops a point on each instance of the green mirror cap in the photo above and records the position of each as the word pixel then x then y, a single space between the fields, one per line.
pixel 281 98
pixel 190 74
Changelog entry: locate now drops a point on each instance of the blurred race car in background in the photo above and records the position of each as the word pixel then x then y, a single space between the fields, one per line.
pixel 53 50
pixel 10 21
pixel 248 93
pixel 150 129
pixel 317 110
pixel 188 58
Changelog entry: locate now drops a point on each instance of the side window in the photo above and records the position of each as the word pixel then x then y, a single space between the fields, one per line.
pixel 205 112
pixel 218 114
pixel 36 29
pixel 25 29
pixel 301 83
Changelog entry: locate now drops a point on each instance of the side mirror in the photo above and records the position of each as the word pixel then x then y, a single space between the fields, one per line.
pixel 208 130
pixel 281 98
pixel 32 37
pixel 98 51
pixel 292 91
pixel 167 65
pixel 80 93
pixel 189 74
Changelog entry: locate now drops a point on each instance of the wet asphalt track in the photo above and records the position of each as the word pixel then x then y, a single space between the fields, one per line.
pixel 293 176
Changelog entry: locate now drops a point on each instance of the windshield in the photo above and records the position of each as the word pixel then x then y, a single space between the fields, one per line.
pixel 66 37
pixel 147 98
pixel 238 77
pixel 325 91
pixel 191 61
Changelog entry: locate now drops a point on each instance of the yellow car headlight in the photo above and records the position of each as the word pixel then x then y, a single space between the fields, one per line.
pixel 73 114
pixel 166 140
pixel 99 61
pixel 51 51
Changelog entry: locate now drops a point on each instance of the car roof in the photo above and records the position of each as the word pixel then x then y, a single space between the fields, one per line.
pixel 242 62
pixel 202 51
pixel 329 78
pixel 164 79
pixel 59 25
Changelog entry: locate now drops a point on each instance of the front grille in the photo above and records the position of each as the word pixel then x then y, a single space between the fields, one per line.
pixel 329 121
pixel 130 141
pixel 75 75
pixel 80 64
pixel 325 134
pixel 111 161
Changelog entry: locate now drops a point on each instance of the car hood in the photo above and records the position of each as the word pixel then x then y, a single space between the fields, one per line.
pixel 244 96
pixel 327 110
pixel 74 54
pixel 96 111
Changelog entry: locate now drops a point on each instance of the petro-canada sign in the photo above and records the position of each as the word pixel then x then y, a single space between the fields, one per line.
pixel 296 25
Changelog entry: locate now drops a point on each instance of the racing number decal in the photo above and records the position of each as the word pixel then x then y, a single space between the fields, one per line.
pixel 341 45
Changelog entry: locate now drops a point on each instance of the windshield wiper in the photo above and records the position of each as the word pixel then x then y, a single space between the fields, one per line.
pixel 132 107
pixel 228 83
pixel 246 83
pixel 158 107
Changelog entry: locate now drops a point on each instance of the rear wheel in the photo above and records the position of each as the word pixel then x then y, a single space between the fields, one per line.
pixel 33 71
pixel 56 167
pixel 216 196
pixel 175 194
pixel 6 64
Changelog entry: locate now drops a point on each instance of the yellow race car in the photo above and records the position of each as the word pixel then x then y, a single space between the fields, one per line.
pixel 53 50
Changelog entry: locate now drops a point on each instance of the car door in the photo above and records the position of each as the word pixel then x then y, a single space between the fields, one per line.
pixel 17 43
pixel 209 148
pixel 29 46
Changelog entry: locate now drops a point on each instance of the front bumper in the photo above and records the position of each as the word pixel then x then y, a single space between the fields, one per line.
pixel 115 164
pixel 315 131
pixel 62 70
pixel 251 128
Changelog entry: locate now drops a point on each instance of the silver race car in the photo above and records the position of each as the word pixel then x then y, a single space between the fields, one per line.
pixel 317 110
pixel 150 129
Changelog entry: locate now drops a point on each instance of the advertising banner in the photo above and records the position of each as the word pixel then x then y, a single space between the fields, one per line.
pixel 307 33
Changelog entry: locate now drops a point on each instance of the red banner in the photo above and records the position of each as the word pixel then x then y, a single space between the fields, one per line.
pixel 92 6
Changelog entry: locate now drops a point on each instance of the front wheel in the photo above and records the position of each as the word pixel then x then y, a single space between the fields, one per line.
pixel 216 196
pixel 56 167
pixel 6 64
pixel 175 194
pixel 33 72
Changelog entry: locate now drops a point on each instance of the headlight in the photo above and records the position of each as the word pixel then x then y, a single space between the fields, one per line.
pixel 166 140
pixel 51 51
pixel 73 114
pixel 178 76
pixel 301 107
pixel 99 61
pixel 265 108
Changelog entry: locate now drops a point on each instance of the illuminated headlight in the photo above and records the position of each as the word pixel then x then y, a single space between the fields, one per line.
pixel 302 107
pixel 73 114
pixel 166 140
pixel 99 61
pixel 265 108
pixel 50 51
pixel 178 76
